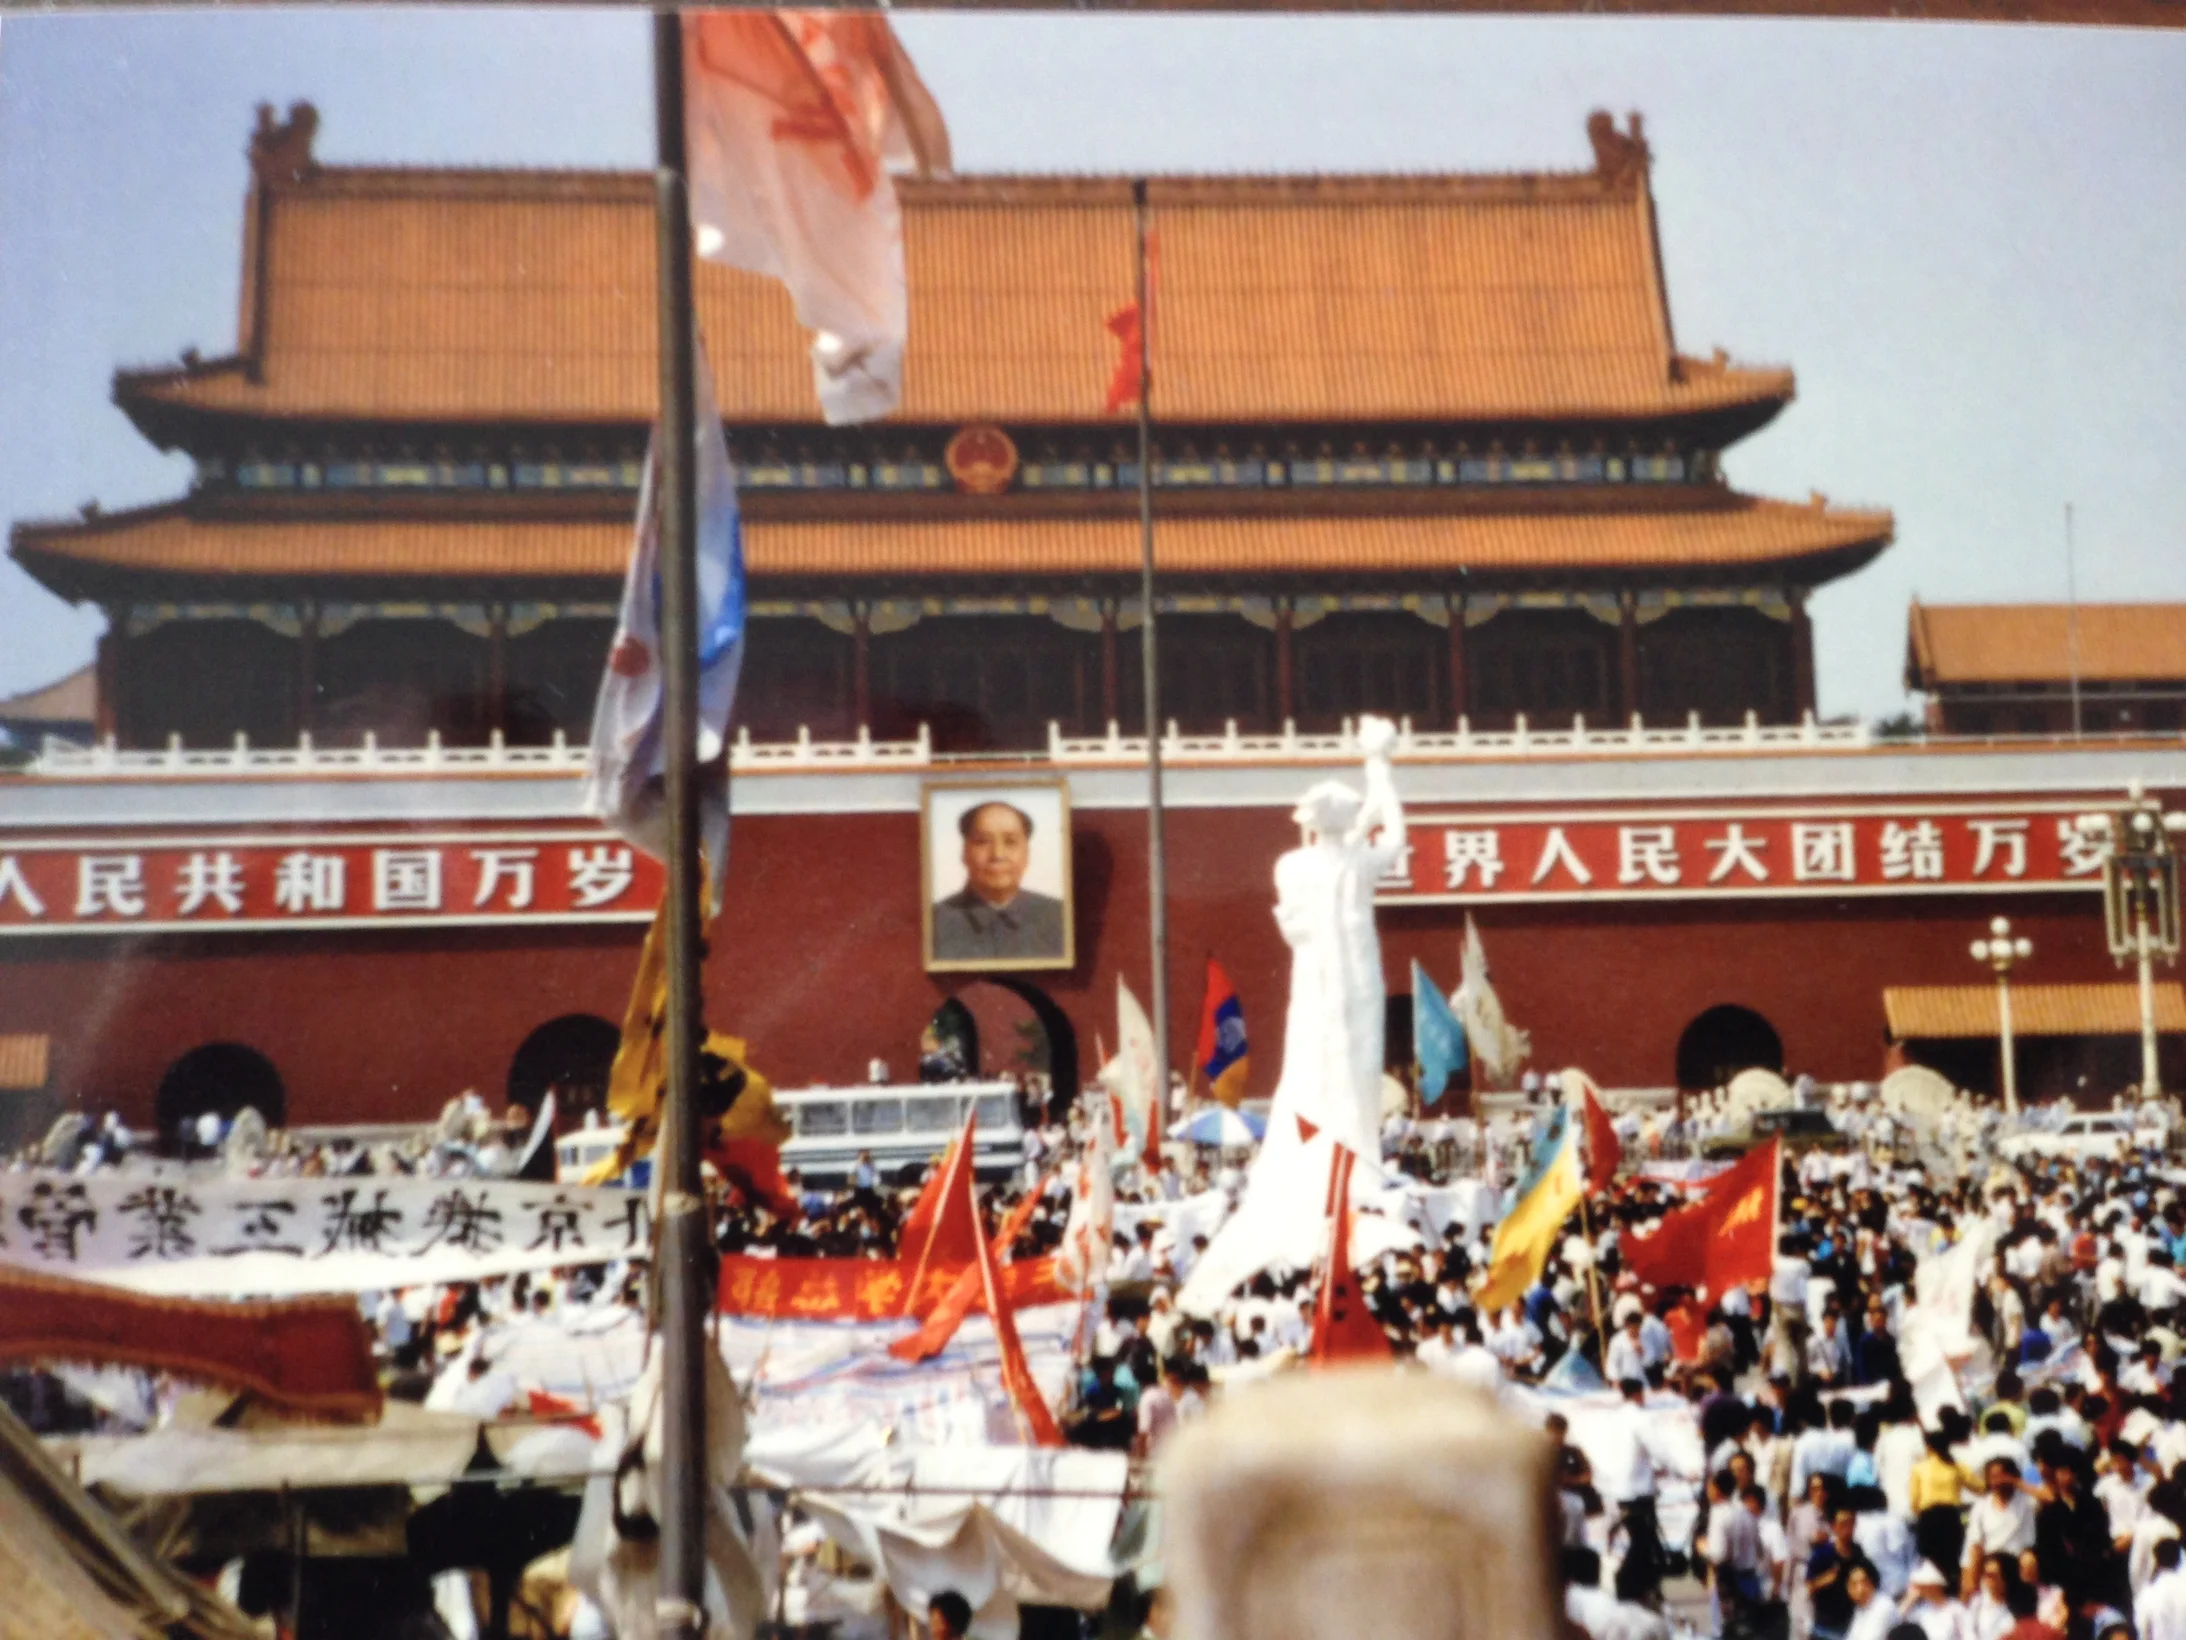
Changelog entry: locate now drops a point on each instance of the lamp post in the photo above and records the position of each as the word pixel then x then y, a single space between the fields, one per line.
pixel 2000 951
pixel 2140 902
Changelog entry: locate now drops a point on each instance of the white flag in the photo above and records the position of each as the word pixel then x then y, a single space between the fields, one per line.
pixel 1081 1262
pixel 626 781
pixel 1134 1076
pixel 1502 1047
pixel 795 119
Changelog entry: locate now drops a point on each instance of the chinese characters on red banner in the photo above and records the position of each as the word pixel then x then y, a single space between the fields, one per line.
pixel 1748 852
pixel 273 882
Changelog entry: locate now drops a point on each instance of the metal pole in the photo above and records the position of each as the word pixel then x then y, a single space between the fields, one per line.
pixel 2151 1079
pixel 1157 859
pixel 2003 1031
pixel 680 1244
pixel 2072 618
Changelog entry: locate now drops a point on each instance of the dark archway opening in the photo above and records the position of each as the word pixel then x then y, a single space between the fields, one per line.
pixel 220 1077
pixel 1723 1041
pixel 568 1057
pixel 950 1050
pixel 1046 1043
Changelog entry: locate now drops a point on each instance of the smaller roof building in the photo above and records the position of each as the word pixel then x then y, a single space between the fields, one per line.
pixel 2045 669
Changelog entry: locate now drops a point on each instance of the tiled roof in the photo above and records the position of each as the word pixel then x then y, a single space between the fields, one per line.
pixel 2033 643
pixel 73 699
pixel 24 1063
pixel 1743 533
pixel 511 295
pixel 1933 1011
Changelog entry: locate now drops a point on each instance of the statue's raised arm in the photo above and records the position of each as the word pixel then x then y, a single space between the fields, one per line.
pixel 1380 826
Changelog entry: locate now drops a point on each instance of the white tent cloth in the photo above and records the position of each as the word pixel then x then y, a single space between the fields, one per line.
pixel 1000 1525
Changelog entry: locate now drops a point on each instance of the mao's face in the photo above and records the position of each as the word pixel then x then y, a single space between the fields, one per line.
pixel 995 851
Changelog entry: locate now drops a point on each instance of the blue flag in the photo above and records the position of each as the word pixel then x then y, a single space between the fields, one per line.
pixel 1438 1040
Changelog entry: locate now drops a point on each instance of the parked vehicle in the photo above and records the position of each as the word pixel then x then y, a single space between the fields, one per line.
pixel 1800 1130
pixel 903 1127
pixel 2104 1135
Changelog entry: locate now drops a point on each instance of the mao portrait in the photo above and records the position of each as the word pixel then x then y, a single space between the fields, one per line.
pixel 997 868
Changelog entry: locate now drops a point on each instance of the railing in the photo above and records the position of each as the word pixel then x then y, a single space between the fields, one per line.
pixel 1521 740
pixel 562 756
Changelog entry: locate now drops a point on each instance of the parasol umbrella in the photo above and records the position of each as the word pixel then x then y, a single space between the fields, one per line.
pixel 1220 1126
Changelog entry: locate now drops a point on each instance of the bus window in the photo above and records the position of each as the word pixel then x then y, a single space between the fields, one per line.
pixel 931 1115
pixel 994 1111
pixel 822 1119
pixel 877 1116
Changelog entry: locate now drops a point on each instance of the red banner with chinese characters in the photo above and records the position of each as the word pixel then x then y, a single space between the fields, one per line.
pixel 850 1289
pixel 346 880
pixel 1748 852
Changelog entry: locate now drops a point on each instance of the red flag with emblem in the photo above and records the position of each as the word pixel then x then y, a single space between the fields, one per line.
pixel 1724 1240
pixel 1344 1329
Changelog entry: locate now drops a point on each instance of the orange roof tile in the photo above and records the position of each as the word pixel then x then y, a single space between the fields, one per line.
pixel 1744 533
pixel 1932 1011
pixel 24 1063
pixel 494 295
pixel 2033 643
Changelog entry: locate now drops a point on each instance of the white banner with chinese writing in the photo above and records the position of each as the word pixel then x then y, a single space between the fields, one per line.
pixel 281 1238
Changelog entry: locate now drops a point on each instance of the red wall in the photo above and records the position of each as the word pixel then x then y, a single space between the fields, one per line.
pixel 816 961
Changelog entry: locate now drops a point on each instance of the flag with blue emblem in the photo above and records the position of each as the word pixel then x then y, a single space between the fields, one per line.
pixel 1223 1055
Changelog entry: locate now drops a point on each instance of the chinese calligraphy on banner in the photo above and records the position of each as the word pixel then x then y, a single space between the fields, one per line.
pixel 279 1238
pixel 347 880
pixel 1749 852
pixel 845 1289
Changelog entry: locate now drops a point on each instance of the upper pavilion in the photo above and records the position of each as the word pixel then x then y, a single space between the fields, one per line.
pixel 1424 445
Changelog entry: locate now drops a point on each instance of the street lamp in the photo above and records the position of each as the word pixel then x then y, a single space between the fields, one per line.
pixel 2140 902
pixel 2000 951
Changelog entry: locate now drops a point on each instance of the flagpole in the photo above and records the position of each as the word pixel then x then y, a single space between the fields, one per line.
pixel 680 1250
pixel 1157 859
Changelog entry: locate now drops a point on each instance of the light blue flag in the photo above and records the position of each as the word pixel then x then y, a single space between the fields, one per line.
pixel 1438 1040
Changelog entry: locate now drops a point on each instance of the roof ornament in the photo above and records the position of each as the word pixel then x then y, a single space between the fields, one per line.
pixel 1619 156
pixel 282 152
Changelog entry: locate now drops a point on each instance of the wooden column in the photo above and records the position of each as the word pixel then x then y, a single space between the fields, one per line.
pixel 1286 697
pixel 1802 655
pixel 1460 667
pixel 1109 712
pixel 497 668
pixel 107 715
pixel 1628 672
pixel 307 671
pixel 861 668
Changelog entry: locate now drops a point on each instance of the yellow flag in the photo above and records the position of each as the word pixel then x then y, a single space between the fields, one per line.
pixel 1526 1237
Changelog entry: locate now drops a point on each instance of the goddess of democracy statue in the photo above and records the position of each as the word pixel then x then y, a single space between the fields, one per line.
pixel 1330 1089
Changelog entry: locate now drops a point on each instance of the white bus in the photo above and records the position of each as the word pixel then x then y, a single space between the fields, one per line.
pixel 903 1127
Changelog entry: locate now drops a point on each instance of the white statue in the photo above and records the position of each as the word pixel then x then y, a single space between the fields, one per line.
pixel 1332 1033
pixel 1324 904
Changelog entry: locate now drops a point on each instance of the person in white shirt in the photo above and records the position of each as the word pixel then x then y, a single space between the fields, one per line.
pixel 2001 1522
pixel 1626 1356
pixel 1824 1451
pixel 2123 1492
pixel 1627 1455
pixel 1874 1614
pixel 1655 1341
pixel 1472 1363
pixel 1515 1341
pixel 1733 1550
pixel 1929 1606
pixel 2159 1611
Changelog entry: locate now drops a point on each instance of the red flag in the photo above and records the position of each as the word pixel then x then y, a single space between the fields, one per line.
pixel 1128 383
pixel 942 1232
pixel 1603 1149
pixel 756 1165
pixel 1033 1415
pixel 1723 1240
pixel 1344 1329
pixel 931 1339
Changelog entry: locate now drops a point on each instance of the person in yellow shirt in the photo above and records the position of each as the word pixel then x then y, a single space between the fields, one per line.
pixel 1940 1491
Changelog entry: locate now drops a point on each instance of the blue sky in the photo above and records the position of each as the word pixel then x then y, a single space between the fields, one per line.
pixel 1969 241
